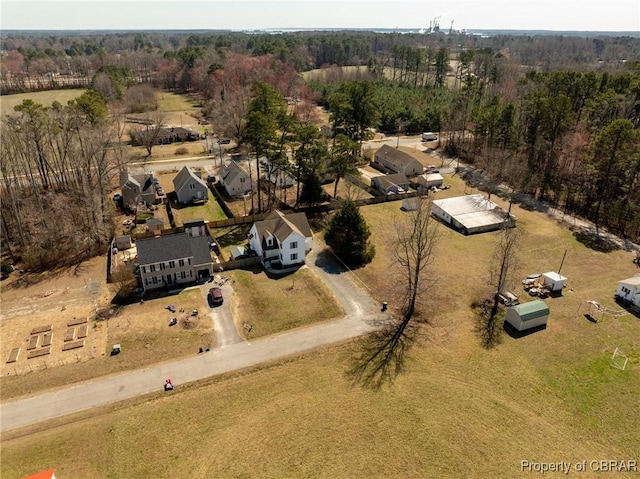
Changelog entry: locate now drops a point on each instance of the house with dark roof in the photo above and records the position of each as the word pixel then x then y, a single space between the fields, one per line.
pixel 235 179
pixel 189 187
pixel 169 261
pixel 391 184
pixel 280 240
pixel 136 189
pixel 397 161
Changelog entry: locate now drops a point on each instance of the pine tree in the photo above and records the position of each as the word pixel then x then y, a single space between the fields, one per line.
pixel 348 236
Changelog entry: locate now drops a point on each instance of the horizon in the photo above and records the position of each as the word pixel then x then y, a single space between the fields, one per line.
pixel 621 16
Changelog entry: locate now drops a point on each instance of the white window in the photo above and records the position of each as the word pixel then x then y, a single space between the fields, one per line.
pixel 294 256
pixel 181 262
pixel 172 264
pixel 192 186
pixel 183 274
pixel 269 241
pixel 153 268
pixel 293 245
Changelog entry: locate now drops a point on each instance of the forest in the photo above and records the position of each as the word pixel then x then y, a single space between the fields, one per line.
pixel 550 116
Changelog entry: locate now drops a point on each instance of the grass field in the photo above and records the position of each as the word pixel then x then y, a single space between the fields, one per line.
pixel 46 98
pixel 272 305
pixel 457 410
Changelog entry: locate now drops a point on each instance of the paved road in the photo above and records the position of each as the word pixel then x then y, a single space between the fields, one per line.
pixel 362 316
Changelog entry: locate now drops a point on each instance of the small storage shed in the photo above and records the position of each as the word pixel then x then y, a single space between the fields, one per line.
pixel 553 281
pixel 629 290
pixel 410 204
pixel 528 315
pixel 123 242
pixel 428 180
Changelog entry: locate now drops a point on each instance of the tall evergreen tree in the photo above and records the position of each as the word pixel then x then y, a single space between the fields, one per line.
pixel 348 236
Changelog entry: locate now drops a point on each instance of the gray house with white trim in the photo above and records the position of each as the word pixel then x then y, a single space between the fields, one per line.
pixel 189 187
pixel 170 261
pixel 235 179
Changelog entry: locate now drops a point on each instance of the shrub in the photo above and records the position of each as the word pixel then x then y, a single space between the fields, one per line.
pixel 183 150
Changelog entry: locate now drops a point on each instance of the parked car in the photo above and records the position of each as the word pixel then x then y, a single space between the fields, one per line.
pixel 215 296
pixel 117 197
pixel 430 169
pixel 224 141
pixel 160 191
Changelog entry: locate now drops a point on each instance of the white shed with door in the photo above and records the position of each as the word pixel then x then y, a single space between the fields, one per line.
pixel 629 290
pixel 553 281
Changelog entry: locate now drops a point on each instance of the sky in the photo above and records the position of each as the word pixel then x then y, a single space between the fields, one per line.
pixel 579 15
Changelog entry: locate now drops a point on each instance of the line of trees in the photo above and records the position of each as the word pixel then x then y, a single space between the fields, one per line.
pixel 56 168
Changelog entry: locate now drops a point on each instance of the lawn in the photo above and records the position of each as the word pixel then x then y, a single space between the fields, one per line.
pixel 272 305
pixel 456 410
pixel 175 102
pixel 210 211
pixel 46 98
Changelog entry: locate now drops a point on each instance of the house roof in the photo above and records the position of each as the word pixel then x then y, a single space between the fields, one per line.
pixel 229 173
pixel 171 247
pixel 200 249
pixel 398 158
pixel 144 182
pixel 428 177
pixel 531 310
pixel 472 211
pixel 280 225
pixel 633 281
pixel 387 181
pixel 184 176
pixel 49 474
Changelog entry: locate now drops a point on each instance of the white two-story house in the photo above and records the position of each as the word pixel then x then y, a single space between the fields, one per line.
pixel 281 241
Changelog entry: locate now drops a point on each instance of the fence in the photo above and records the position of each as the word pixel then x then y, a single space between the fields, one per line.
pixel 236 264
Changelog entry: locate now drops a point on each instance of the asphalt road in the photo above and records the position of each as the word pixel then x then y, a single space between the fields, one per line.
pixel 362 315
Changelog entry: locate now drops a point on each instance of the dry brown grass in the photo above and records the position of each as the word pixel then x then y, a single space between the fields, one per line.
pixel 456 411
pixel 141 329
pixel 271 305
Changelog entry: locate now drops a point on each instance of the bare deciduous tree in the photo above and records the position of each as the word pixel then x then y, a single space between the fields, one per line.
pixel 413 246
pixel 504 260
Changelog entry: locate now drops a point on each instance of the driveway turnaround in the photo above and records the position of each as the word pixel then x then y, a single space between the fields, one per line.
pixel 223 325
pixel 362 316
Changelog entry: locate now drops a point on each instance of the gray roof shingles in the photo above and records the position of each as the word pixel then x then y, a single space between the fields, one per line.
pixel 173 247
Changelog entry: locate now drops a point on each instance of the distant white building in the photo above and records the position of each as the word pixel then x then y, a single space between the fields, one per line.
pixel 472 214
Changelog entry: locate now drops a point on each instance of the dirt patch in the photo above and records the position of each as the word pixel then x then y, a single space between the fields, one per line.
pixel 64 327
